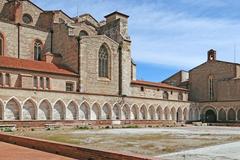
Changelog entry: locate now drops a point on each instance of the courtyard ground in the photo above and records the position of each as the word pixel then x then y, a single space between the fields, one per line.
pixel 167 143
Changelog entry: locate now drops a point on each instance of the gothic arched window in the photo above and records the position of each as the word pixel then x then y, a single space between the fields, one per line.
pixel 103 65
pixel 210 87
pixel 37 50
pixel 1 45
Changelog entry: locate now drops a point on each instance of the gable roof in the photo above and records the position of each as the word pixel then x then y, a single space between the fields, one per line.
pixel 157 84
pixel 30 65
pixel 218 61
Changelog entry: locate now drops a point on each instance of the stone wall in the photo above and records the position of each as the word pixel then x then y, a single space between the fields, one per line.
pixel 27 39
pixel 199 79
pixel 91 82
pixel 29 8
pixel 25 80
pixel 154 92
pixel 66 46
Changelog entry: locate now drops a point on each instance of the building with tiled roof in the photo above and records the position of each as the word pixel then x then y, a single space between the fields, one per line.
pixel 54 67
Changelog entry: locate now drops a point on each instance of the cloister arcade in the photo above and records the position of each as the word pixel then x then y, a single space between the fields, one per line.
pixel 219 114
pixel 29 109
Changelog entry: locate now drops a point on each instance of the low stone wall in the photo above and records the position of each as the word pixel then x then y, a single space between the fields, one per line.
pixel 144 123
pixel 71 151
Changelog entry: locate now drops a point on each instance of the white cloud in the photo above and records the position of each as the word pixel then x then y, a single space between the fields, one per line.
pixel 166 36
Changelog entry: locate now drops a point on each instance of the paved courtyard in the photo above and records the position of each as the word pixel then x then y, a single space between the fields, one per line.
pixel 14 152
pixel 167 143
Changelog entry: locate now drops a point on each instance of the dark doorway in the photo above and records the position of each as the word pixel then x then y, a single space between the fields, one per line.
pixel 210 116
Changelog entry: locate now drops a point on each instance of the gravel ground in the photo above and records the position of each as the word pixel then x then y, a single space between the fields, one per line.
pixel 164 142
pixel 230 151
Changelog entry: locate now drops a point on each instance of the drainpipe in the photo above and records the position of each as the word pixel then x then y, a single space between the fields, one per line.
pixel 51 32
pixel 18 26
pixel 120 70
pixel 79 61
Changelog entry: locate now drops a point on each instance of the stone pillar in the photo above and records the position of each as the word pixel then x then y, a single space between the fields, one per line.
pixel 236 116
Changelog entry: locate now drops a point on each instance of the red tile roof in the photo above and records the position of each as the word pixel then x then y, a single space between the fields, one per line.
pixel 39 66
pixel 157 84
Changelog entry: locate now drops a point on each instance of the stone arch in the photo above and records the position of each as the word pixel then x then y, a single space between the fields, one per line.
pixel 173 113
pixel 210 114
pixel 143 112
pixel 196 114
pixel 185 114
pixel 238 115
pixel 1 110
pixel 96 111
pixel 84 112
pixel 222 115
pixel 45 110
pixel 191 114
pixel 231 115
pixel 72 111
pixel 160 113
pixel 152 112
pixel 126 112
pixel 29 110
pixel 167 114
pixel 107 112
pixel 13 110
pixel 179 115
pixel 135 112
pixel 83 33
pixel 116 115
pixel 59 110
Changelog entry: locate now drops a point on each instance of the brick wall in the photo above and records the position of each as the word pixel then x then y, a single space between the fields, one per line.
pixel 67 150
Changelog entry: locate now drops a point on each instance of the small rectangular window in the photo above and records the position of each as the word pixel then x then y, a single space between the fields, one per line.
pixel 41 82
pixel 48 83
pixel 1 46
pixel 69 87
pixel 7 79
pixel 35 82
pixel 142 89
pixel 1 79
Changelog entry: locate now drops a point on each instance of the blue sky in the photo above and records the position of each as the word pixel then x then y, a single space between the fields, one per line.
pixel 168 35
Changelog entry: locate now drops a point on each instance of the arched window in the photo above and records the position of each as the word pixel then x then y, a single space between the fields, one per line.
pixel 210 87
pixel 1 45
pixel 103 65
pixel 37 50
pixel 83 33
pixel 165 95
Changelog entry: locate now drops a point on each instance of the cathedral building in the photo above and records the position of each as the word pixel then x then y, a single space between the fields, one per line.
pixel 54 67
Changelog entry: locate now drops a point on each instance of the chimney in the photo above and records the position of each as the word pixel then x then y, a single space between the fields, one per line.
pixel 212 55
pixel 48 57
